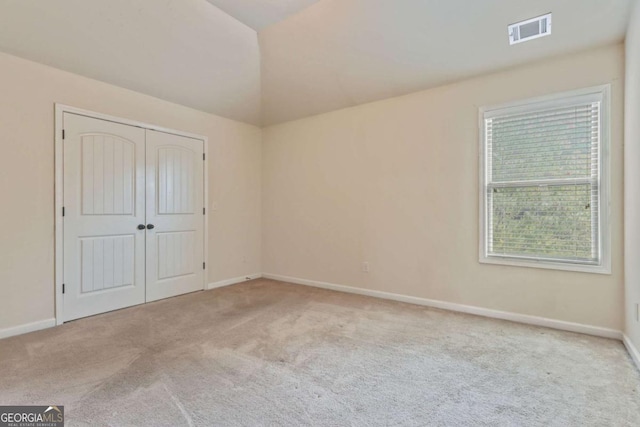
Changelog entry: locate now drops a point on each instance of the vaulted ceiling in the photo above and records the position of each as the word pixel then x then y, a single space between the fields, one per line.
pixel 269 61
pixel 185 51
pixel 259 14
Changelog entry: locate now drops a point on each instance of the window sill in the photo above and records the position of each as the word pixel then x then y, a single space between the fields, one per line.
pixel 549 265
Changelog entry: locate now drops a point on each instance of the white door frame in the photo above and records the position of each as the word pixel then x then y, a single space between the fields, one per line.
pixel 60 109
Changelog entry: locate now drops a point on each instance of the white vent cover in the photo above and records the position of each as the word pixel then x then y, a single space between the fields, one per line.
pixel 530 29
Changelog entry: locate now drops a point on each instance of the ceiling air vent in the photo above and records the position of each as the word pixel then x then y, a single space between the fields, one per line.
pixel 530 29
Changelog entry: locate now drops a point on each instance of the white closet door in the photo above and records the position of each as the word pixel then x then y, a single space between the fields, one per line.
pixel 175 217
pixel 104 200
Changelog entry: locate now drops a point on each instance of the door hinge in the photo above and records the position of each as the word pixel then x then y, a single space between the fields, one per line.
pixel 63 288
pixel 62 133
pixel 203 156
pixel 204 266
pixel 63 211
pixel 204 211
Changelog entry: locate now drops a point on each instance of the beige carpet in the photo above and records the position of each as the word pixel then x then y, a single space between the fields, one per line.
pixel 269 353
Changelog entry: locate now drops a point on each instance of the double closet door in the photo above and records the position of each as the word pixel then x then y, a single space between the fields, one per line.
pixel 133 215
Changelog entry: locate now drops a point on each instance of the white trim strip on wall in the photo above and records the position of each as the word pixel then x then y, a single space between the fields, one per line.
pixel 27 327
pixel 49 323
pixel 233 281
pixel 633 351
pixel 469 309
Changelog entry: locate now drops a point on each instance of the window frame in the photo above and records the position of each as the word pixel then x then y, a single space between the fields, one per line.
pixel 603 266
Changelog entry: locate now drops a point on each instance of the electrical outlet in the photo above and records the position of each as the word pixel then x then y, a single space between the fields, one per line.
pixel 365 267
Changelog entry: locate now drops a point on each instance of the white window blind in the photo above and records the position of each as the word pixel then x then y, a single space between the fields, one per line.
pixel 542 173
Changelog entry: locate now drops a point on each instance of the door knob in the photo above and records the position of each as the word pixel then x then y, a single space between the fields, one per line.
pixel 141 227
pixel 150 226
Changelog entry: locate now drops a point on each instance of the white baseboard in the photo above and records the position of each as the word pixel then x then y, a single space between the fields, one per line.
pixel 478 311
pixel 28 327
pixel 632 349
pixel 233 281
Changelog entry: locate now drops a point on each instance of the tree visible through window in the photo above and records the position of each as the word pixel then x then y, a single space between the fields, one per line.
pixel 542 181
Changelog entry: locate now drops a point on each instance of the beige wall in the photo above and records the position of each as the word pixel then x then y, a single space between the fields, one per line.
pixel 395 183
pixel 28 92
pixel 632 177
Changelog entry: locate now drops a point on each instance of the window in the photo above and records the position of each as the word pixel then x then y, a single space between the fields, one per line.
pixel 544 190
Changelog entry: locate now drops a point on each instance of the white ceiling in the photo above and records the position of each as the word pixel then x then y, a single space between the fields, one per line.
pixel 310 56
pixel 184 51
pixel 259 14
pixel 341 53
